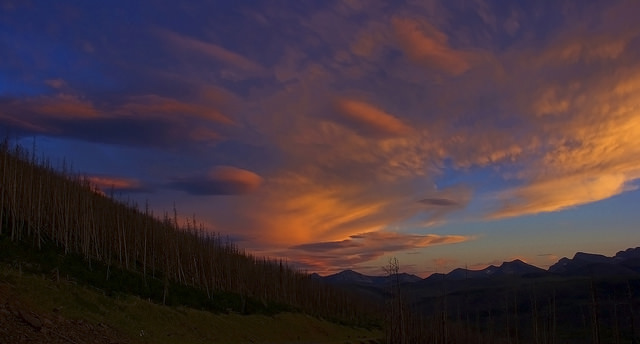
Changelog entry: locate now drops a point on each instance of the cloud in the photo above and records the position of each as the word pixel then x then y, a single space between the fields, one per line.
pixel 62 106
pixel 156 106
pixel 370 119
pixel 148 120
pixel 559 194
pixel 55 83
pixel 438 202
pixel 426 45
pixel 221 180
pixel 361 248
pixel 590 151
pixel 360 117
pixel 118 184
pixel 212 50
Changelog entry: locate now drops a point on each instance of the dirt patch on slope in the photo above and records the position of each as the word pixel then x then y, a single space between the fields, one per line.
pixel 20 323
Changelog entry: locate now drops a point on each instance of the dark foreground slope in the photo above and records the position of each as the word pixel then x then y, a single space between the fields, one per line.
pixel 42 309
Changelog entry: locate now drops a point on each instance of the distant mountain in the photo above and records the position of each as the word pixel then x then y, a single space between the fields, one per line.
pixel 630 253
pixel 624 263
pixel 520 268
pixel 629 258
pixel 352 277
pixel 349 276
pixel 586 264
pixel 512 268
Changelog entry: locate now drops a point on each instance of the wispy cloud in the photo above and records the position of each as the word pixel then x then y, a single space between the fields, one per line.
pixel 425 44
pixel 148 120
pixel 592 132
pixel 215 51
pixel 361 248
pixel 369 119
pixel 62 106
pixel 156 106
pixel 108 184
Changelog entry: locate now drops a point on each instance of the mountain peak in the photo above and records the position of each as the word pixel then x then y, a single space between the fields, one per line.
pixel 585 264
pixel 629 253
pixel 518 267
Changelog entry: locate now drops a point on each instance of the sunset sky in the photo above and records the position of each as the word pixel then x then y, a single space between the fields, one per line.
pixel 337 134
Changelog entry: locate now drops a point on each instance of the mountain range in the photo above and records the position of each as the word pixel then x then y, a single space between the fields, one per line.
pixel 623 263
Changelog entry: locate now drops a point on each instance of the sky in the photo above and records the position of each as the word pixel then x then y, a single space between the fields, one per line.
pixel 339 134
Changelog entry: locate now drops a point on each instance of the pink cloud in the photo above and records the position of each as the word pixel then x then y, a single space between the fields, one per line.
pixel 370 118
pixel 426 45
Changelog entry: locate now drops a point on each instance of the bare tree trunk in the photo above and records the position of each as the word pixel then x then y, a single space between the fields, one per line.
pixel 594 314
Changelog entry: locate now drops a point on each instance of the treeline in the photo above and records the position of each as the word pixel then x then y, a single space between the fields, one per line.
pixel 42 204
pixel 514 310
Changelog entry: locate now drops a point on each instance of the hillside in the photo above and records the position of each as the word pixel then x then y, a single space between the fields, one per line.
pixel 54 222
pixel 37 309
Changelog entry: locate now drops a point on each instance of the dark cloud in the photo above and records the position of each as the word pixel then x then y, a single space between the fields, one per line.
pixel 440 202
pixel 222 180
pixel 164 125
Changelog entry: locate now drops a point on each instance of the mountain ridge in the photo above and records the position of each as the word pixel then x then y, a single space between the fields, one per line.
pixel 625 262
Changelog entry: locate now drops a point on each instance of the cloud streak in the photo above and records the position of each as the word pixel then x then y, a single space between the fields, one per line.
pixel 108 184
pixel 220 181
pixel 370 119
pixel 148 120
pixel 361 248
pixel 426 45
pixel 217 52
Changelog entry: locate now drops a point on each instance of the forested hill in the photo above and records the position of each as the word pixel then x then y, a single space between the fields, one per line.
pixel 47 208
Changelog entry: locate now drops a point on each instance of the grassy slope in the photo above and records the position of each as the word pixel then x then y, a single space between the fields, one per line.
pixel 129 315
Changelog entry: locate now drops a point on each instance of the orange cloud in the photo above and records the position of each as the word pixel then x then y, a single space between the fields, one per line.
pixel 294 209
pixel 108 183
pixel 361 248
pixel 301 212
pixel 426 45
pixel 591 153
pixel 371 118
pixel 590 49
pixel 248 179
pixel 39 114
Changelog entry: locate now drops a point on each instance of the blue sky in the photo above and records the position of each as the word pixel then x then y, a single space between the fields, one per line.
pixel 337 134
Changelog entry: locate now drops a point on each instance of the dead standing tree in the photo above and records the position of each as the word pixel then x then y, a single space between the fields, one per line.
pixel 396 322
